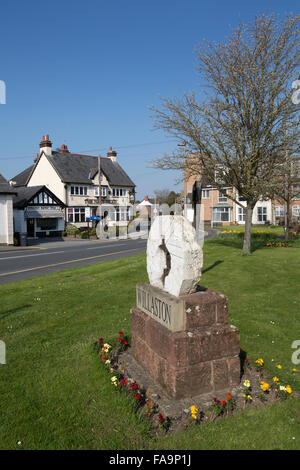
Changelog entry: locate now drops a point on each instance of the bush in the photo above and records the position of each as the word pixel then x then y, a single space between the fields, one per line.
pixel 72 230
pixel 93 232
pixel 84 234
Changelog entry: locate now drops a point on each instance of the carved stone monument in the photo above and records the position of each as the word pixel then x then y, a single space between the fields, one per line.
pixel 180 335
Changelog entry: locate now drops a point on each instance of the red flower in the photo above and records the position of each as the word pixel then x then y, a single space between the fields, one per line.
pixel 229 396
pixel 120 340
pixel 223 402
pixel 123 382
pixel 246 360
pixel 161 419
pixel 125 342
pixel 103 358
pixel 137 396
pixel 216 400
pixel 134 386
pixel 121 333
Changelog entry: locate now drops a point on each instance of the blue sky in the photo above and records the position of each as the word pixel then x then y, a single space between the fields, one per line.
pixel 86 73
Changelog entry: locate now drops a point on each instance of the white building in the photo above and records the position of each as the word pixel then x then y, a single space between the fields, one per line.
pixel 6 212
pixel 74 179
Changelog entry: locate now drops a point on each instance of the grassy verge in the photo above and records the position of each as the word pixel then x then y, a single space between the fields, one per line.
pixel 55 394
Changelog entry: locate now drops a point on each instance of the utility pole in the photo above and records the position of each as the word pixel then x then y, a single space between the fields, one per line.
pixel 99 182
pixel 183 144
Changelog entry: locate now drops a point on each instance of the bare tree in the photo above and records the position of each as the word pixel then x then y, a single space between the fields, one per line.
pixel 162 195
pixel 287 187
pixel 237 134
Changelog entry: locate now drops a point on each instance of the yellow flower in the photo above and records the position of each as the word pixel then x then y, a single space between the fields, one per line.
pixel 194 411
pixel 259 362
pixel 275 379
pixel 288 389
pixel 247 383
pixel 279 366
pixel 294 370
pixel 264 386
pixel 114 381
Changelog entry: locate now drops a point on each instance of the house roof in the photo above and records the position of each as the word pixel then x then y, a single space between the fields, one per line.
pixel 76 168
pixel 21 178
pixel 26 193
pixel 5 187
pixel 80 169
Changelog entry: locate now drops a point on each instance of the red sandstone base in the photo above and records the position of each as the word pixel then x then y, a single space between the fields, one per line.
pixel 203 358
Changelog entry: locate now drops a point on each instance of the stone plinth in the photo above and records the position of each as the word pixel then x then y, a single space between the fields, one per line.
pixel 185 343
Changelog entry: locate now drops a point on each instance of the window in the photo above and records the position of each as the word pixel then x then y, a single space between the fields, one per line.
pixel 296 211
pixel 46 224
pixel 205 193
pixel 222 197
pixel 120 214
pixel 79 190
pixel 262 214
pixel 42 198
pixel 76 214
pixel 241 198
pixel 103 191
pixel 241 214
pixel 119 192
pixel 279 211
pixel 221 214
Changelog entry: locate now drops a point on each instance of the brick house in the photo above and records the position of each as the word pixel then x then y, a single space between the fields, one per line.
pixel 219 209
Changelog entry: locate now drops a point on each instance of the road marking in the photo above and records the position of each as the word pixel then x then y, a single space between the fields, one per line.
pixel 27 256
pixel 105 246
pixel 65 262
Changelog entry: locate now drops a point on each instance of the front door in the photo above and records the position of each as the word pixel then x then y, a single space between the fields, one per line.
pixel 30 227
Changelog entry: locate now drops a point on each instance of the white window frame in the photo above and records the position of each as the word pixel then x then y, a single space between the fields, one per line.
pixel 205 193
pixel 78 190
pixel 222 197
pixel 279 211
pixel 72 212
pixel 119 192
pixel 221 210
pixel 262 214
pixel 103 191
pixel 241 215
pixel 296 211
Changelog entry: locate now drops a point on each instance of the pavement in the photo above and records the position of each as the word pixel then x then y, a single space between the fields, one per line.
pixel 45 243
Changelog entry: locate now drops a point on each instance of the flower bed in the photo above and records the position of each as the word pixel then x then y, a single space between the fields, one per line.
pixel 254 390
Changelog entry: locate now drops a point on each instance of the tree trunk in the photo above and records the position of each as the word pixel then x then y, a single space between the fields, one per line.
pixel 287 220
pixel 248 226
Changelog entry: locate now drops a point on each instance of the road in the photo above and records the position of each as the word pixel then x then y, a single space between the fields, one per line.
pixel 17 264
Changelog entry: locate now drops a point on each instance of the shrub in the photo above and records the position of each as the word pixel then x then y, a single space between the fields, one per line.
pixel 72 230
pixel 84 234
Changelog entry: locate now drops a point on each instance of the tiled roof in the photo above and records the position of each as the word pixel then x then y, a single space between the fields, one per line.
pixel 22 177
pixel 75 168
pixel 26 193
pixel 5 187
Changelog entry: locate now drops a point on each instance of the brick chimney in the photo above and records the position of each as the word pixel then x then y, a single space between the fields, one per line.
pixel 46 145
pixel 112 154
pixel 64 149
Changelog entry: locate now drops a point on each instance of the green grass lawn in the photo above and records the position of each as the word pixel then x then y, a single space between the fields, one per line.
pixel 54 393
